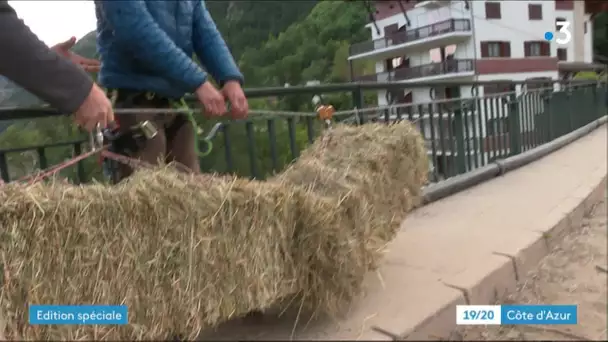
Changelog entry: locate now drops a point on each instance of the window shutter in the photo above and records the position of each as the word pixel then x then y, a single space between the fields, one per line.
pixel 506 46
pixel 545 49
pixel 484 50
pixel 526 49
pixel 492 10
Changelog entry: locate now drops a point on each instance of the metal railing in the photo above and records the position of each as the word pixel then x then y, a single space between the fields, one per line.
pixel 459 132
pixel 453 66
pixel 413 35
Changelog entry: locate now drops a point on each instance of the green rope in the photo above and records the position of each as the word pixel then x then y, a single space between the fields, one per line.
pixel 197 130
pixel 181 104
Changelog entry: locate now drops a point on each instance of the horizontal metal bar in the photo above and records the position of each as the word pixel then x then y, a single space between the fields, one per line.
pixel 45 146
pixel 499 167
pixel 17 113
pixel 355 86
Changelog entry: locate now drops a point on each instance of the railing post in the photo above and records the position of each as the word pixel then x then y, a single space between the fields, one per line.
pixel 358 102
pixel 514 126
pixel 459 133
pixel 4 168
pixel 80 166
pixel 549 118
pixel 42 161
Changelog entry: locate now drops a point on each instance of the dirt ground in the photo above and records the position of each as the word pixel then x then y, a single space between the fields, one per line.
pixel 573 273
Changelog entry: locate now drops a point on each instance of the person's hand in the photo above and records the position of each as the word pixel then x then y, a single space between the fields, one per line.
pixel 96 109
pixel 233 92
pixel 63 49
pixel 211 99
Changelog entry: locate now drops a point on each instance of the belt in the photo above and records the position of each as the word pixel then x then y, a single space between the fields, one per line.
pixel 117 95
pixel 129 95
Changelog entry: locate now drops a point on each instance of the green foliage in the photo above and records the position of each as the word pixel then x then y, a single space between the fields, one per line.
pixel 310 49
pixel 600 34
pixel 259 141
pixel 275 42
pixel 586 75
pixel 248 24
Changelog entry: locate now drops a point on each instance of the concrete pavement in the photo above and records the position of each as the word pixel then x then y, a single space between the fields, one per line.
pixel 468 248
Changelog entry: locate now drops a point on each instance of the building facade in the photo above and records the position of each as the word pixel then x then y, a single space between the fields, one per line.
pixel 469 41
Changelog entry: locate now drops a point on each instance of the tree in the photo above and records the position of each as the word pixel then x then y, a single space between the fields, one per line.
pixel 285 42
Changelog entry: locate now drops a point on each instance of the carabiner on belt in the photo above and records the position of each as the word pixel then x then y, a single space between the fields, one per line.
pixel 96 138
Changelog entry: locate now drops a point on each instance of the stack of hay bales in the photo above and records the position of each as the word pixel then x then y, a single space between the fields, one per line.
pixel 185 253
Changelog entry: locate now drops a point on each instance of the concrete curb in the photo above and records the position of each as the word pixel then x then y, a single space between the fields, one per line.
pixel 563 219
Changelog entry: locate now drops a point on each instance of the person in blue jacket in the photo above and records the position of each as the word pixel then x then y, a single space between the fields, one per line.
pixel 146 50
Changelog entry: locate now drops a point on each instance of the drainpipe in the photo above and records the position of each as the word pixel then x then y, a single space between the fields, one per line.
pixel 461 160
pixel 474 36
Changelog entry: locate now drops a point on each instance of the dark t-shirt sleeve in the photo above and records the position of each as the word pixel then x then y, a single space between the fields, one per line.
pixel 29 63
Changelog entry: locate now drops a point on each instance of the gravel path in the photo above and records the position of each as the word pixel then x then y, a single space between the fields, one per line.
pixel 575 272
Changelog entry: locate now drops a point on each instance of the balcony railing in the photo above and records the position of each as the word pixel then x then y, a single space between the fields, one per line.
pixel 453 66
pixel 433 30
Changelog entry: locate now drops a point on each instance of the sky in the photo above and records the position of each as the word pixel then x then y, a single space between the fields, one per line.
pixel 56 21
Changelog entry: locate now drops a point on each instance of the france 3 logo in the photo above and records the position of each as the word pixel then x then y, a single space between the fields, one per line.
pixel 563 34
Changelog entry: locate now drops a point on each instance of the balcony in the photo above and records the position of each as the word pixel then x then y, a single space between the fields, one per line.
pixel 451 69
pixel 431 3
pixel 446 32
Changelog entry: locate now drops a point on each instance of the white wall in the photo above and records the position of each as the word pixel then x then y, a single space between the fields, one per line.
pixel 578 33
pixel 569 16
pixel 422 16
pixel 588 40
pixel 517 77
pixel 514 25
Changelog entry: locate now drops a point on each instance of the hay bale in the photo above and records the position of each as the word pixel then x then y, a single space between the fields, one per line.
pixel 374 174
pixel 185 253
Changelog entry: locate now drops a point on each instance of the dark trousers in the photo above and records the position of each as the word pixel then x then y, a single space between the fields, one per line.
pixel 174 142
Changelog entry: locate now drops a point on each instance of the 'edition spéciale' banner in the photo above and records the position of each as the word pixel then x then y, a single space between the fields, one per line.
pixel 78 314
pixel 515 314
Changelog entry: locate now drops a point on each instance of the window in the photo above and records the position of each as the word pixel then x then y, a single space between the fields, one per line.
pixel 536 49
pixel 532 86
pixel 562 54
pixel 557 20
pixel 400 62
pixel 535 12
pixel 435 55
pixel 585 27
pixel 499 88
pixel 390 30
pixel 493 10
pixel 495 49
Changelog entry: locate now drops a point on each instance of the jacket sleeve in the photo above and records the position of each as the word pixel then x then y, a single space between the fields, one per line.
pixel 29 63
pixel 135 29
pixel 211 48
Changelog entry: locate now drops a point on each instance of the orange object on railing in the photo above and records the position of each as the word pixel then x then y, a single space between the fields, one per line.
pixel 326 112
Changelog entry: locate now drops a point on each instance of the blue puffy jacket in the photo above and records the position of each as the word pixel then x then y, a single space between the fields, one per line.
pixel 149 45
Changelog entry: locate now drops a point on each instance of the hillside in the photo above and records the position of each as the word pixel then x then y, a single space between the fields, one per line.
pixel 248 24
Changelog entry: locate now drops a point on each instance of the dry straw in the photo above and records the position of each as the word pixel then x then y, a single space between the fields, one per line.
pixel 186 253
